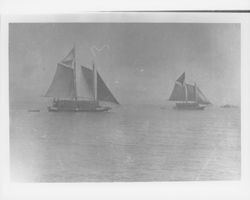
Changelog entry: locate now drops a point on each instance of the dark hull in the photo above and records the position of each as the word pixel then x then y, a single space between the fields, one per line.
pixel 77 106
pixel 97 109
pixel 189 106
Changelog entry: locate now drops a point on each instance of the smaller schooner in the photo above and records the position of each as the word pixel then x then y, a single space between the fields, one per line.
pixel 78 89
pixel 187 96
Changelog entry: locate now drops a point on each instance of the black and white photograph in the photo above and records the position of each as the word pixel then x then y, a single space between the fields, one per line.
pixel 105 102
pixel 120 104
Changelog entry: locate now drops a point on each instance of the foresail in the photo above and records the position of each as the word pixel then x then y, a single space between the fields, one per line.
pixel 69 59
pixel 201 97
pixel 62 85
pixel 178 93
pixel 103 92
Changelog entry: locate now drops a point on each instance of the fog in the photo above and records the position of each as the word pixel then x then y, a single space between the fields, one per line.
pixel 139 61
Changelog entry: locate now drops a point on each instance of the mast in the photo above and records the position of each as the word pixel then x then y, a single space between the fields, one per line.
pixel 195 92
pixel 75 73
pixel 94 82
pixel 186 93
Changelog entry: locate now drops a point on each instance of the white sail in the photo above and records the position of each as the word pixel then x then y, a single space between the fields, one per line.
pixel 70 58
pixel 103 92
pixel 62 85
pixel 85 87
pixel 178 93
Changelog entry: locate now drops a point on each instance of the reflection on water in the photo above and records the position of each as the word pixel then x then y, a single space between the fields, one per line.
pixel 130 143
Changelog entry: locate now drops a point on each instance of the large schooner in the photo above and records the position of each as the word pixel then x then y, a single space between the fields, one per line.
pixel 188 96
pixel 78 89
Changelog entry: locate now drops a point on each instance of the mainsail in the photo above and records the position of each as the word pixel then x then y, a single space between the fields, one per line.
pixel 186 92
pixel 103 92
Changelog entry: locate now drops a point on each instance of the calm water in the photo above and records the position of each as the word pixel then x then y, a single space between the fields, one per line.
pixel 130 143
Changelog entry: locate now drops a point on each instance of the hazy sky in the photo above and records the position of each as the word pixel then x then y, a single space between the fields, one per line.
pixel 140 63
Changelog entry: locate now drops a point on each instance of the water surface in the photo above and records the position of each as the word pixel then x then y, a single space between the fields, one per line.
pixel 129 143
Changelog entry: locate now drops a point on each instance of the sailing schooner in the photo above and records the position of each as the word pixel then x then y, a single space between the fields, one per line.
pixel 78 90
pixel 187 96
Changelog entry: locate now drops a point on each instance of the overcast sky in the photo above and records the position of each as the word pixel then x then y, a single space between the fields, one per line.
pixel 140 62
